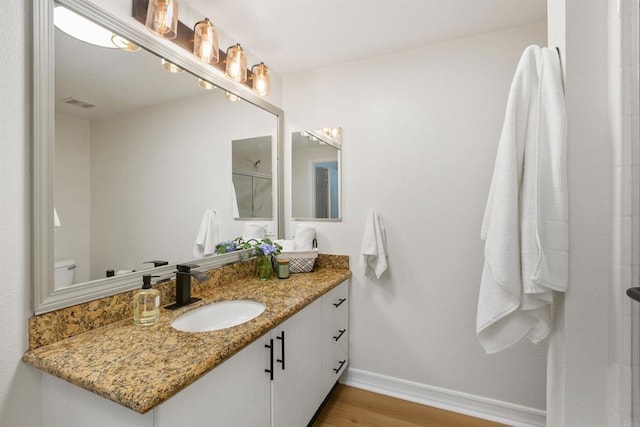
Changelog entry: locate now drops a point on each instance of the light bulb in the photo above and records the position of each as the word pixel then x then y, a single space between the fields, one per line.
pixel 261 80
pixel 236 68
pixel 205 42
pixel 162 18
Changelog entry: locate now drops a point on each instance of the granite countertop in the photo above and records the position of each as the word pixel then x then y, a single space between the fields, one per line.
pixel 142 366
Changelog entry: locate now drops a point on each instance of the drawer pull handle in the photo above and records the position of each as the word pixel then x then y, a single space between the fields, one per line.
pixel 339 303
pixel 281 337
pixel 342 331
pixel 342 362
pixel 270 370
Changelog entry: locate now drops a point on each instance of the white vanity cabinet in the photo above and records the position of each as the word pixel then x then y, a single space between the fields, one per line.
pixel 335 335
pixel 67 405
pixel 296 391
pixel 235 393
pixel 280 380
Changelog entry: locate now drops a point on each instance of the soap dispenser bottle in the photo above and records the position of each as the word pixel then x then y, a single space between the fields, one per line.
pixel 146 303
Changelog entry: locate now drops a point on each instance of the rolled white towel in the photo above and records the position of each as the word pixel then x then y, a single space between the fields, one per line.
pixel 305 234
pixel 253 230
pixel 287 245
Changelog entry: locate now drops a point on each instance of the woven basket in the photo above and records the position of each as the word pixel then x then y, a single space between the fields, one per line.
pixel 299 261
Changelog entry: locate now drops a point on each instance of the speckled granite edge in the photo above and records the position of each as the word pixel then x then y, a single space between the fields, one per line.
pixel 141 367
pixel 48 328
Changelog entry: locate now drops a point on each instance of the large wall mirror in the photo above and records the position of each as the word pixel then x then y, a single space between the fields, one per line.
pixel 316 174
pixel 128 157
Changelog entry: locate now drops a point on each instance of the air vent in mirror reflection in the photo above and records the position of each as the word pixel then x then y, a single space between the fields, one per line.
pixel 78 103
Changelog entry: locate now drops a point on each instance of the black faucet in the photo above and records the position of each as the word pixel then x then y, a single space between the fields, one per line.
pixel 183 285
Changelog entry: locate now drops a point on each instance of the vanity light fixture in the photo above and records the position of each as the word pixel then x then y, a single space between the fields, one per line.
pixel 231 97
pixel 261 81
pixel 335 133
pixel 236 68
pixel 205 84
pixel 162 18
pixel 171 67
pixel 81 28
pixel 205 42
pixel 124 44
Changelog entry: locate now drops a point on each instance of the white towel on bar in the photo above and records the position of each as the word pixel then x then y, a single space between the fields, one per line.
pixel 525 225
pixel 374 245
pixel 207 237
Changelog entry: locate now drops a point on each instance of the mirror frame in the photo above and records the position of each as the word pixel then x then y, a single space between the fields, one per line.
pixel 45 297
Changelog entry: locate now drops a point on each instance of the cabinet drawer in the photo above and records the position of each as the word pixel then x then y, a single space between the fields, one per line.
pixel 335 335
pixel 335 307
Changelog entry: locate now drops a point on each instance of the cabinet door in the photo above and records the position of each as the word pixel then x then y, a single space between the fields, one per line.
pixel 296 386
pixel 335 335
pixel 67 405
pixel 236 393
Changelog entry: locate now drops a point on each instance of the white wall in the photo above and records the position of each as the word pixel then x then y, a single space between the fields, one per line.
pixel 72 192
pixel 185 170
pixel 578 358
pixel 420 133
pixel 19 384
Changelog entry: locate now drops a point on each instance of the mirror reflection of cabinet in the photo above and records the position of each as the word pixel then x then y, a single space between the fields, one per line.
pixel 316 174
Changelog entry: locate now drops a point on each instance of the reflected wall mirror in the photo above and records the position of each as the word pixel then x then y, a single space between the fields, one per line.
pixel 128 157
pixel 316 174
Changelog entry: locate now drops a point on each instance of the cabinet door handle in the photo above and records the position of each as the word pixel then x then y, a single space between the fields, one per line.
pixel 270 347
pixel 342 331
pixel 339 303
pixel 342 362
pixel 281 338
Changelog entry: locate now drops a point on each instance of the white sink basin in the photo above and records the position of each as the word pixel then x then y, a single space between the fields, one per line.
pixel 219 315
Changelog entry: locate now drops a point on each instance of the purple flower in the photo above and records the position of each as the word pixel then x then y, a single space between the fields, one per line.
pixel 266 249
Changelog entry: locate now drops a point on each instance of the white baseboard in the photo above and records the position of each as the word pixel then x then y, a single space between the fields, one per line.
pixel 468 404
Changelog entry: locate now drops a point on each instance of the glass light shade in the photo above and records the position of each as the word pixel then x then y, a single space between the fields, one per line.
pixel 124 44
pixel 236 68
pixel 171 67
pixel 205 42
pixel 162 18
pixel 261 80
pixel 231 97
pixel 81 28
pixel 205 84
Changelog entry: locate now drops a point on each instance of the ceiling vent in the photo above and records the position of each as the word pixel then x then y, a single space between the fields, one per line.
pixel 78 103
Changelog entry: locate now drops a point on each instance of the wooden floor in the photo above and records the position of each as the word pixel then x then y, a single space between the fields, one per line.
pixel 350 406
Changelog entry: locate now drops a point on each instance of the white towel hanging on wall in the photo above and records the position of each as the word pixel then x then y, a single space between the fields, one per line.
pixel 374 245
pixel 207 237
pixel 525 225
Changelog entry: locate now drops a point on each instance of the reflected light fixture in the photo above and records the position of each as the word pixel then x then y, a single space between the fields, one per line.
pixel 261 81
pixel 236 68
pixel 162 18
pixel 335 133
pixel 171 67
pixel 205 42
pixel 124 44
pixel 205 84
pixel 231 97
pixel 81 28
